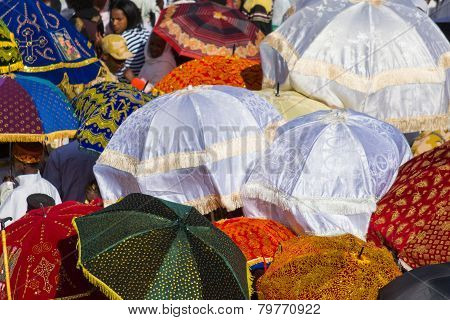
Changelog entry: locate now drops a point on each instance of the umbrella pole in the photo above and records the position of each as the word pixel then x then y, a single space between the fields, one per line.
pixel 5 257
pixel 10 160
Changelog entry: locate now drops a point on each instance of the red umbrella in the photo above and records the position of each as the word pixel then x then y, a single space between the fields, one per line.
pixel 413 218
pixel 207 28
pixel 42 254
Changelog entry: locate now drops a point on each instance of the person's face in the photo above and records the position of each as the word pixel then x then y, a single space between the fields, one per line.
pixel 156 45
pixel 119 21
pixel 113 65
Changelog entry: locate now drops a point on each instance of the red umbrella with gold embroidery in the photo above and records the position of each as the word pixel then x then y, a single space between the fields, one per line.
pixel 413 218
pixel 207 28
pixel 214 70
pixel 42 254
pixel 258 239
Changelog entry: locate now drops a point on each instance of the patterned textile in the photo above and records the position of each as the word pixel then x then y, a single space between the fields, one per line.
pixel 325 172
pixel 33 109
pixel 259 12
pixel 102 108
pixel 192 146
pixel 328 268
pixel 50 45
pixel 42 254
pixel 213 70
pixel 206 28
pixel 10 58
pixel 164 251
pixel 428 140
pixel 413 218
pixel 360 54
pixel 258 239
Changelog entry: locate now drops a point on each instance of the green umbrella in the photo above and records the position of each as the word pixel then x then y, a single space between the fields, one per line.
pixel 10 58
pixel 147 248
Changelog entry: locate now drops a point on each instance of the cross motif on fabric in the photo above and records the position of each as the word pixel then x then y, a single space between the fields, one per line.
pixel 29 45
pixel 43 269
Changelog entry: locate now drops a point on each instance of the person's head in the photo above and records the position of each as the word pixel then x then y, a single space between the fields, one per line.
pixel 156 45
pixel 39 200
pixel 114 52
pixel 92 191
pixel 100 4
pixel 125 15
pixel 27 157
pixel 80 4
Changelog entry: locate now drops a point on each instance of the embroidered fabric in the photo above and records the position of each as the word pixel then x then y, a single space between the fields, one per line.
pixel 384 58
pixel 191 146
pixel 325 171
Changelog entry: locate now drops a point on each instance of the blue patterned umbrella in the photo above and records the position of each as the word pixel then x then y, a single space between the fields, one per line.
pixel 34 109
pixel 50 46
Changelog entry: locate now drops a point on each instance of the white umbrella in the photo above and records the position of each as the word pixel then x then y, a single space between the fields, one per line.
pixel 325 171
pixel 385 58
pixel 192 146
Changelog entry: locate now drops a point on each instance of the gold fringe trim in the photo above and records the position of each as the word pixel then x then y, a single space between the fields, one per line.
pixel 421 123
pixel 317 68
pixel 25 137
pixel 105 289
pixel 77 296
pixel 213 202
pixel 249 283
pixel 11 68
pixel 60 65
pixel 251 143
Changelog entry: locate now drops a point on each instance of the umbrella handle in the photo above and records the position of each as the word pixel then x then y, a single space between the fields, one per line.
pixel 6 263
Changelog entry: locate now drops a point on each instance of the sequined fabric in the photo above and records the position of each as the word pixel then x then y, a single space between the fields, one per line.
pixel 258 239
pixel 312 267
pixel 413 218
pixel 214 70
pixel 102 108
pixel 42 254
pixel 155 249
pixel 10 58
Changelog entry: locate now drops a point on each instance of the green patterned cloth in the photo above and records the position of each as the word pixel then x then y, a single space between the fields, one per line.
pixel 10 58
pixel 148 248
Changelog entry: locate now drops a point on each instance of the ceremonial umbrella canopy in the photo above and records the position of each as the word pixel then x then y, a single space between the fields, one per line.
pixel 329 268
pixel 425 283
pixel 208 29
pixel 102 108
pixel 291 104
pixel 413 218
pixel 192 146
pixel 214 70
pixel 325 171
pixel 34 110
pixel 50 45
pixel 384 58
pixel 147 248
pixel 42 254
pixel 258 239
pixel 10 58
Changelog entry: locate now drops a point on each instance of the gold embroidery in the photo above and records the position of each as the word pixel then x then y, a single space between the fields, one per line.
pixel 60 65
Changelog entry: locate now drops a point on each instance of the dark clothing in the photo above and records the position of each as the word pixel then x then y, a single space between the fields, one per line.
pixel 88 22
pixel 70 170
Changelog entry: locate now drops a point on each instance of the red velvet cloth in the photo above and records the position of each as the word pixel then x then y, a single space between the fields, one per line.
pixel 413 218
pixel 43 255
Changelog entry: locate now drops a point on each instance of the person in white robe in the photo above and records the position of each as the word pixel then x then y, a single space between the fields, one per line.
pixel 27 160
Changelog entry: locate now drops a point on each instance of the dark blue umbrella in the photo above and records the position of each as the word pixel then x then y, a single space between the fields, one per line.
pixel 50 45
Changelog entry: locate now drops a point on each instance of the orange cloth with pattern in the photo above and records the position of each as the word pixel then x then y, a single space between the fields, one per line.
pixel 214 70
pixel 413 218
pixel 42 254
pixel 257 238
pixel 317 267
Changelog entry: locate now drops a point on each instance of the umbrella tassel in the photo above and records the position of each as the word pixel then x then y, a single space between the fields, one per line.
pixel 5 257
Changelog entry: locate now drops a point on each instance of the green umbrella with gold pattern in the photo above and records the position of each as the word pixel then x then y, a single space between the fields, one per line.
pixel 147 248
pixel 10 58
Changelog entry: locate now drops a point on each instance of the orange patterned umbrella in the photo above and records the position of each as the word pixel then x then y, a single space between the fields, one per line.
pixel 316 267
pixel 413 218
pixel 258 239
pixel 214 70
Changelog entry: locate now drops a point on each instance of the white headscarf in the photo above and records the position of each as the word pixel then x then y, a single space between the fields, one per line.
pixel 155 69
